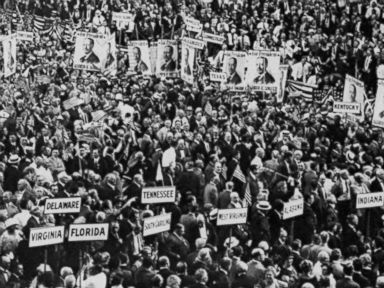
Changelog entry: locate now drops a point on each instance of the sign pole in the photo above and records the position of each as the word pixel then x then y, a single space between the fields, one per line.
pixel 45 259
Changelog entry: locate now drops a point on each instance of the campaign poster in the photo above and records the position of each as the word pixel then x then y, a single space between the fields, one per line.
pixel 187 62
pixel 235 67
pixel 378 113
pixel 91 51
pixel 263 70
pixel 139 57
pixel 282 83
pixel 110 64
pixel 167 58
pixel 353 90
pixel 9 55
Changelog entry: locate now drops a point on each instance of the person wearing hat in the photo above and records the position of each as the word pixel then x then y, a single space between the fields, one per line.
pixel 12 174
pixel 260 226
pixel 10 239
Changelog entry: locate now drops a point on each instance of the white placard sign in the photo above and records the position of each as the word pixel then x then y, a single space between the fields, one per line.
pixel 343 107
pixel 194 43
pixel 193 24
pixel 88 232
pixel 24 36
pixel 232 216
pixel 151 195
pixel 122 19
pixel 378 113
pixel 44 236
pixel 62 205
pixel 293 208
pixel 217 76
pixel 369 200
pixel 157 224
pixel 212 38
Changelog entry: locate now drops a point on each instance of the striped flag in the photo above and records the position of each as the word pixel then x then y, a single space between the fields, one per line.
pixel 247 196
pixel 238 174
pixel 301 89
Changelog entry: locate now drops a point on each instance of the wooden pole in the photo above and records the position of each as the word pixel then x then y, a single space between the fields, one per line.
pixel 45 259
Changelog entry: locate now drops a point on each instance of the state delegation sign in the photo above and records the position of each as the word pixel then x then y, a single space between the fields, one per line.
pixel 369 200
pixel 293 208
pixel 88 232
pixel 44 236
pixel 62 205
pixel 343 107
pixel 152 195
pixel 232 216
pixel 157 224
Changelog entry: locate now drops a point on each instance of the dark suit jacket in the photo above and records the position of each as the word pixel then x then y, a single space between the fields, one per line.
pixel 170 66
pixel 347 283
pixel 177 247
pixel 234 79
pixel 11 177
pixel 267 78
pixel 141 67
pixel 91 59
pixel 361 280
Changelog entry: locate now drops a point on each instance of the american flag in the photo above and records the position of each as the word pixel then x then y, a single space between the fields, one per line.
pixel 247 196
pixel 304 90
pixel 49 26
pixel 238 174
pixel 322 96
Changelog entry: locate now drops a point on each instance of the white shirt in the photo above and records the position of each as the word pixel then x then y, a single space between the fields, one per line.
pixel 22 217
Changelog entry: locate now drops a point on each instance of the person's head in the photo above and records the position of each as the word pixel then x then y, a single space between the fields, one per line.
pixel 235 197
pixel 88 45
pixel 270 274
pixel 352 92
pixel 261 65
pixel 258 254
pixel 201 275
pixel 70 281
pixel 168 53
pixel 137 54
pixel 163 262
pixel 232 65
pixel 181 268
pixel 173 281
pixel 179 229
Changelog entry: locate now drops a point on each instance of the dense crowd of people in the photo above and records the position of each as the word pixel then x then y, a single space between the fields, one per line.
pixel 220 150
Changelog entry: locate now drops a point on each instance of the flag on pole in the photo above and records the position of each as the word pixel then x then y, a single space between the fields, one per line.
pixel 247 196
pixel 238 174
pixel 302 89
pixel 159 173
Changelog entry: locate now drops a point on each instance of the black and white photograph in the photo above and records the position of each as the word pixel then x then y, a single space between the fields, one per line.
pixel 191 144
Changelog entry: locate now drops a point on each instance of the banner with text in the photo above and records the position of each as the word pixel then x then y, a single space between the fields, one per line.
pixel 293 208
pixel 157 224
pixel 62 205
pixel 44 236
pixel 88 232
pixel 155 195
pixel 232 216
pixel 369 200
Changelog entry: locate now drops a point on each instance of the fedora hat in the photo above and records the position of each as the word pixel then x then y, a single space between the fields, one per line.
pixel 14 159
pixel 263 205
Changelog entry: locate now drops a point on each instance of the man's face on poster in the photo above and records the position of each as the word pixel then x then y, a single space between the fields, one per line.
pixel 137 54
pixel 232 64
pixel 260 65
pixel 88 45
pixel 352 93
pixel 168 53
